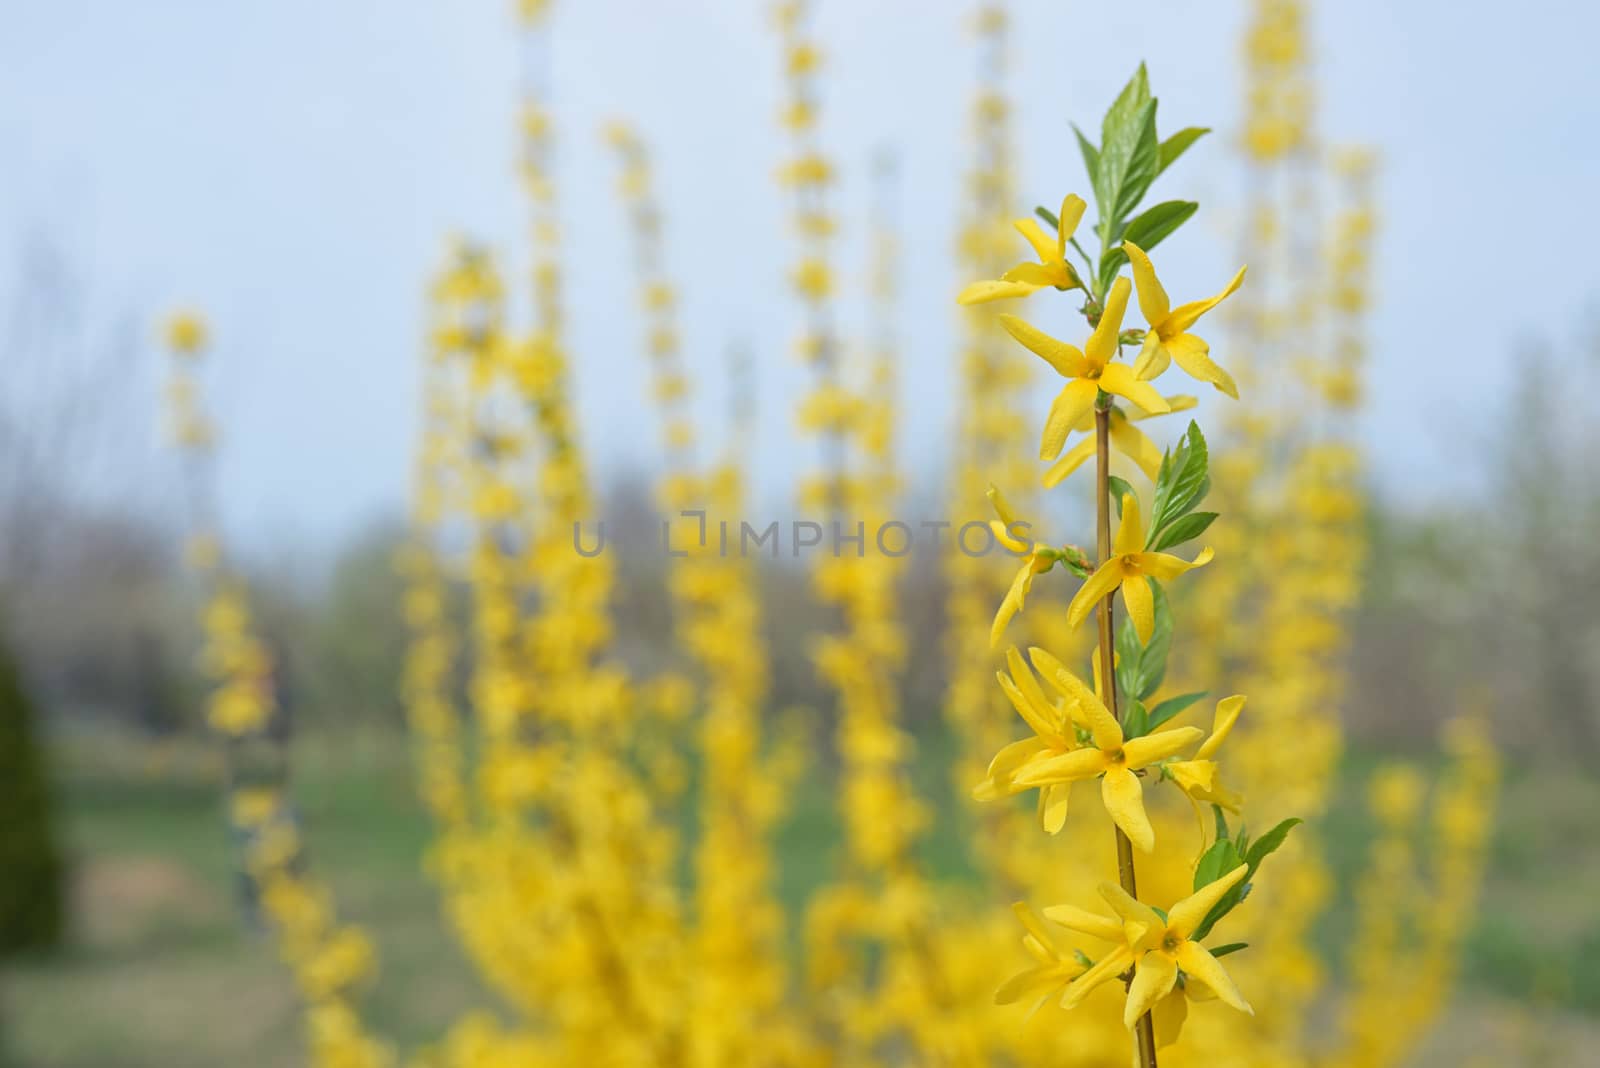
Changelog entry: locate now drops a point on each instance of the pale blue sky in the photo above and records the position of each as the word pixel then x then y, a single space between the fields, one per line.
pixel 294 166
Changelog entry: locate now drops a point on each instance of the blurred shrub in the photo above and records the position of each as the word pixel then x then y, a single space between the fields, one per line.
pixel 32 882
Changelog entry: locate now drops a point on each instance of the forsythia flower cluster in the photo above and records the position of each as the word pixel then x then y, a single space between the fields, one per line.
pixel 330 960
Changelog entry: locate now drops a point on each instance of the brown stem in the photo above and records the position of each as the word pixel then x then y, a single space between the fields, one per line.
pixel 1144 1030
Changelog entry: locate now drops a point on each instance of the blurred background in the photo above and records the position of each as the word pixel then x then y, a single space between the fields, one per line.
pixel 295 169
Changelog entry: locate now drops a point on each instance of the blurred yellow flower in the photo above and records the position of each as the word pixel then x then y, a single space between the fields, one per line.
pixel 187 333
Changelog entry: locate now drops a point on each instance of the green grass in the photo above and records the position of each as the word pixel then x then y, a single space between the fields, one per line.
pixel 161 972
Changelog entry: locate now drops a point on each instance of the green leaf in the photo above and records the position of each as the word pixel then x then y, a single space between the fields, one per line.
pixel 1216 862
pixel 1141 668
pixel 1119 488
pixel 1227 859
pixel 1091 163
pixel 1269 843
pixel 1177 145
pixel 1153 657
pixel 1125 155
pixel 1185 528
pixel 1154 225
pixel 1129 653
pixel 1143 165
pixel 1223 951
pixel 1148 230
pixel 1221 819
pixel 1050 217
pixel 1172 706
pixel 1122 116
pixel 1135 720
pixel 1185 479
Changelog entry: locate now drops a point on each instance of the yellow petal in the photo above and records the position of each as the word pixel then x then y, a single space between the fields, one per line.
pixel 1075 398
pixel 1023 676
pixel 1033 924
pixel 1184 316
pixel 1012 604
pixel 1041 275
pixel 1032 983
pixel 1133 911
pixel 1193 776
pixel 1102 344
pixel 1053 807
pixel 1194 356
pixel 1153 979
pixel 1228 710
pixel 1124 799
pixel 1012 757
pixel 1170 1014
pixel 1104 579
pixel 1075 766
pixel 1043 246
pixel 1165 567
pixel 1141 606
pixel 1153 358
pixel 1085 922
pixel 1003 535
pixel 1001 506
pixel 1130 529
pixel 1107 732
pixel 1037 718
pixel 1186 915
pixel 1178 402
pixel 1198 962
pixel 1120 379
pixel 1068 360
pixel 1073 459
pixel 1107 967
pixel 983 292
pixel 1142 752
pixel 1153 300
pixel 1072 209
pixel 1133 444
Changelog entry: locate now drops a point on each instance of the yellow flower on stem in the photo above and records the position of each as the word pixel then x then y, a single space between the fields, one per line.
pixel 1125 438
pixel 1161 946
pixel 1168 339
pixel 1054 972
pixel 1037 558
pixel 1055 732
pixel 1112 758
pixel 1129 567
pixel 1197 777
pixel 1089 370
pixel 1052 268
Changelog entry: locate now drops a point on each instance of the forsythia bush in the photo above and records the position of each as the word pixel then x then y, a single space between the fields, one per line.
pixel 604 841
